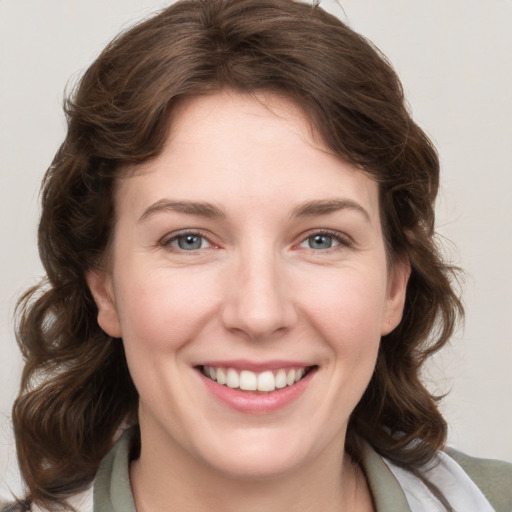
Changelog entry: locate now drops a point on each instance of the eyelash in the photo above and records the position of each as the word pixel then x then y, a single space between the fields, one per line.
pixel 343 241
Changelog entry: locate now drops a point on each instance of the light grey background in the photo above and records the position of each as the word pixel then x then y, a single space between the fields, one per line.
pixel 455 60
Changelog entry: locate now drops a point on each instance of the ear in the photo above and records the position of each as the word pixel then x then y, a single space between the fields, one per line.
pixel 395 299
pixel 100 284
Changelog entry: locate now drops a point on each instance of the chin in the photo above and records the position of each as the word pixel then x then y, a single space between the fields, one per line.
pixel 266 458
pixel 256 469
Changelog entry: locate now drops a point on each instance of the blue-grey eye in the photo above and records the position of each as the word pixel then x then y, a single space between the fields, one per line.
pixel 190 242
pixel 320 241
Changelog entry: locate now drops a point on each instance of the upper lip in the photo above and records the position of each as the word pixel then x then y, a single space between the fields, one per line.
pixel 254 366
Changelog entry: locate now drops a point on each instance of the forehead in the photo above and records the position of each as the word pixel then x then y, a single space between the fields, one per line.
pixel 229 147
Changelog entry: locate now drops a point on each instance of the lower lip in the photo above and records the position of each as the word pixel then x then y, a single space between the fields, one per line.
pixel 258 403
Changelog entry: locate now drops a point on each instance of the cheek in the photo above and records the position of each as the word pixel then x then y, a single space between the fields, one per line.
pixel 347 314
pixel 161 310
pixel 158 321
pixel 348 308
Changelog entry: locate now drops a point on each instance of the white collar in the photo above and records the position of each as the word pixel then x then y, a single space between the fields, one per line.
pixel 459 490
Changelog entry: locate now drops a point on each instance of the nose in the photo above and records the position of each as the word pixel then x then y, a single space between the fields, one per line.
pixel 258 297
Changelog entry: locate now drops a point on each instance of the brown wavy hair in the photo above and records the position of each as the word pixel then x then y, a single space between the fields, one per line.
pixel 76 390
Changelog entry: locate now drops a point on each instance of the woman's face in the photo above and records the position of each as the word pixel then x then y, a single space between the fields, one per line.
pixel 247 252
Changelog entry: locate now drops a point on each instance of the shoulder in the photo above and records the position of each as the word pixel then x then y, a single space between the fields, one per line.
pixel 453 478
pixel 493 477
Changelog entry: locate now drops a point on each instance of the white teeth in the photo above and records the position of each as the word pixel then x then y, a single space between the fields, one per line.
pixel 221 376
pixel 266 381
pixel 281 379
pixel 290 377
pixel 250 381
pixel 232 379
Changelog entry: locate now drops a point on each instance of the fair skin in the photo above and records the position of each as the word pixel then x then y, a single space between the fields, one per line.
pixel 246 245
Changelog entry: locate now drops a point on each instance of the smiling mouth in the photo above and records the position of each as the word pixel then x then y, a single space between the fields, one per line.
pixel 246 380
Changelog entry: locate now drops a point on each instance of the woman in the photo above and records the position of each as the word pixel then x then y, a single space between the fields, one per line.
pixel 242 280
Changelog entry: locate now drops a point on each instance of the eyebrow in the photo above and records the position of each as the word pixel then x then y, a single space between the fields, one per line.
pixel 209 210
pixel 326 206
pixel 202 209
